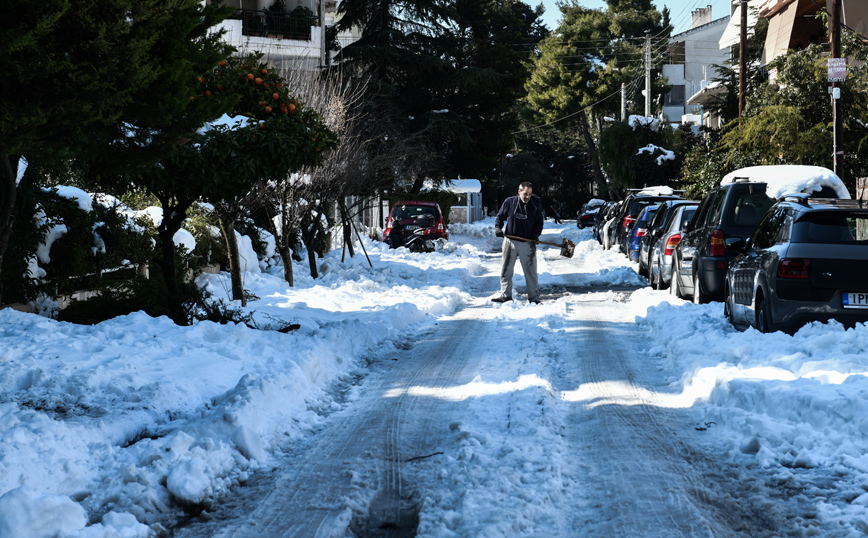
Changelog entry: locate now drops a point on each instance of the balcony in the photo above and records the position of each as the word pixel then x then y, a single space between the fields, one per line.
pixel 274 25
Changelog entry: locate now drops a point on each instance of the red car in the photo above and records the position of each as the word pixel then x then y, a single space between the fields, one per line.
pixel 407 215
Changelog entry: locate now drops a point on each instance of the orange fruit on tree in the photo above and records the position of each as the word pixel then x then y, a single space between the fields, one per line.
pixel 268 110
pixel 264 71
pixel 220 87
pixel 275 96
pixel 258 80
pixel 222 63
pixel 201 79
pixel 291 108
pixel 250 76
pixel 208 93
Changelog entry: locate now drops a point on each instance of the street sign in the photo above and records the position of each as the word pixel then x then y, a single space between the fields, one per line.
pixel 837 69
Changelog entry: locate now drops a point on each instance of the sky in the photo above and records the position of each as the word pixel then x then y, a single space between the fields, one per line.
pixel 105 428
pixel 680 10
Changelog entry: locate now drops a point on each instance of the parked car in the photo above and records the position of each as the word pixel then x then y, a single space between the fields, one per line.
pixel 607 232
pixel 662 218
pixel 588 215
pixel 727 216
pixel 405 219
pixel 639 230
pixel 805 261
pixel 602 216
pixel 660 259
pixel 635 202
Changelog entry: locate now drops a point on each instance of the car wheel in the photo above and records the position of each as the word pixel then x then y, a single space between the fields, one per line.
pixel 661 285
pixel 652 277
pixel 764 316
pixel 699 297
pixel 727 307
pixel 643 270
pixel 675 286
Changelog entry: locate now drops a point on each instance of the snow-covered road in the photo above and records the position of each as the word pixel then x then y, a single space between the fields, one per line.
pixel 408 404
pixel 495 421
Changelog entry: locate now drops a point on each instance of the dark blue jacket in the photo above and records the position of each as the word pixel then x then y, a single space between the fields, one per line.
pixel 529 228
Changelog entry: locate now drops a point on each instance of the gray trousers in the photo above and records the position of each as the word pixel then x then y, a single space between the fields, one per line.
pixel 525 251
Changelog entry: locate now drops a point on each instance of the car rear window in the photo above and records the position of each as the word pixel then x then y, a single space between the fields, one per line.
pixel 831 227
pixel 748 208
pixel 641 203
pixel 408 211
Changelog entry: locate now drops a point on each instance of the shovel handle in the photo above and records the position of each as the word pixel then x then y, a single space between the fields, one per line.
pixel 526 240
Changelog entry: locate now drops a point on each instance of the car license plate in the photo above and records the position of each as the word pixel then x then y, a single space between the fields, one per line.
pixel 686 265
pixel 412 227
pixel 856 300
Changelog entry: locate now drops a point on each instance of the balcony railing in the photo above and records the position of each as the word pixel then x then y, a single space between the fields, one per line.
pixel 272 24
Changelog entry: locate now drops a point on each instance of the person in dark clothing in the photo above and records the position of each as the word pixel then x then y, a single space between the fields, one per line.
pixel 556 209
pixel 522 216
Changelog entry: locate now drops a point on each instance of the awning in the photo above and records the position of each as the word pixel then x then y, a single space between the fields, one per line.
pixel 709 94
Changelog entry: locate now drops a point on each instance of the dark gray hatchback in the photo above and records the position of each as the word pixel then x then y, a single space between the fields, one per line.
pixel 806 261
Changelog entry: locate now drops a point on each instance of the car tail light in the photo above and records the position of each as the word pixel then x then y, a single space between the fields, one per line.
pixel 641 232
pixel 671 243
pixel 628 221
pixel 794 268
pixel 717 246
pixel 440 226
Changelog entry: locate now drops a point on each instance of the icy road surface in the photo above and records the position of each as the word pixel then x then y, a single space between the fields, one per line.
pixel 496 421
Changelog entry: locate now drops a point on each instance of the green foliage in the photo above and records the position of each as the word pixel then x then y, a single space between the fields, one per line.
pixel 703 166
pixel 629 165
pixel 28 233
pixel 778 135
pixel 447 74
pixel 120 298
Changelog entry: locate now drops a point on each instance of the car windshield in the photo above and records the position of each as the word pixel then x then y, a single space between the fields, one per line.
pixel 408 211
pixel 749 208
pixel 828 227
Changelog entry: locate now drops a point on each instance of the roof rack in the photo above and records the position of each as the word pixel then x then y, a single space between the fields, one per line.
pixel 798 197
pixel 741 179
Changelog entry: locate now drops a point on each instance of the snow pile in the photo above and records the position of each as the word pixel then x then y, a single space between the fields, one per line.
pixel 790 178
pixel 643 121
pixel 111 430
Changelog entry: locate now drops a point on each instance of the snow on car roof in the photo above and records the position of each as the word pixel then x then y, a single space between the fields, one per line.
pixel 660 190
pixel 790 178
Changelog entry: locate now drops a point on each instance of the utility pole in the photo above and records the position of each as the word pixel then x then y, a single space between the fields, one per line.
pixel 623 102
pixel 647 74
pixel 742 60
pixel 837 116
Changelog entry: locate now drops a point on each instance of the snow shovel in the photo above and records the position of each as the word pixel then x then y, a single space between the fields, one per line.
pixel 567 247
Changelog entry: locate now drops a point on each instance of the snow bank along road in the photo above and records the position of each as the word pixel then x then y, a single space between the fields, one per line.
pixel 512 420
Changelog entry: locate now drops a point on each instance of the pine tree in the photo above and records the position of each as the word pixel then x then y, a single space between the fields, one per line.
pixel 73 68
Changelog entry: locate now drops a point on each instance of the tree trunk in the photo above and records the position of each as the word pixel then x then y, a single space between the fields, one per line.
pixel 227 225
pixel 311 258
pixel 585 129
pixel 282 246
pixel 347 226
pixel 8 188
pixel 173 218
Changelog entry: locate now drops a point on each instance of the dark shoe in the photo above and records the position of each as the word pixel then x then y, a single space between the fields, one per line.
pixel 536 301
pixel 501 299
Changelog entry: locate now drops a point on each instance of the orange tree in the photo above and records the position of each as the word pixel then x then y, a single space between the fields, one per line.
pixel 265 136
